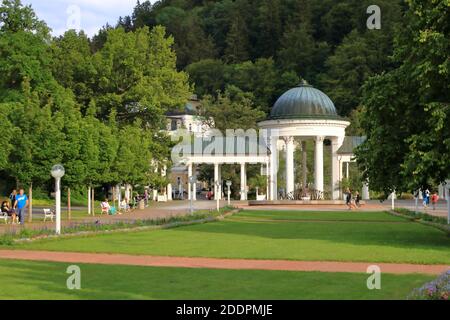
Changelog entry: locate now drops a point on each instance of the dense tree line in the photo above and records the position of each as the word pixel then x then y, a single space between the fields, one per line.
pixel 97 105
pixel 263 47
pixel 98 112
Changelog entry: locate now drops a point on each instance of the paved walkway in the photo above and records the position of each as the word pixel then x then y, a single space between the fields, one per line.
pixel 370 206
pixel 177 208
pixel 233 264
pixel 155 211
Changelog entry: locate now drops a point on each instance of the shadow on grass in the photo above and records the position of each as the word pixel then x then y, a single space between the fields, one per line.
pixel 405 235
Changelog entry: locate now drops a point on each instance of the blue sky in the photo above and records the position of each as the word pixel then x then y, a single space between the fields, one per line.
pixel 59 14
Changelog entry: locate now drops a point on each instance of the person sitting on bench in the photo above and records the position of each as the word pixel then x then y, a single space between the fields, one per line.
pixel 105 207
pixel 8 211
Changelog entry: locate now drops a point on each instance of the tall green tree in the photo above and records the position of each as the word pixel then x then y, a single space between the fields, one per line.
pixel 270 27
pixel 72 65
pixel 8 135
pixel 407 108
pixel 258 78
pixel 137 76
pixel 237 49
pixel 232 109
pixel 24 51
pixel 207 76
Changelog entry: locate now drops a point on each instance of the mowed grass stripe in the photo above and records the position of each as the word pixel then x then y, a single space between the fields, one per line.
pixel 44 280
pixel 315 241
pixel 327 216
pixel 255 219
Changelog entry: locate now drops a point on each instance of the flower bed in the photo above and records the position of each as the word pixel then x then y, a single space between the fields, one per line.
pixel 87 228
pixel 421 216
pixel 438 289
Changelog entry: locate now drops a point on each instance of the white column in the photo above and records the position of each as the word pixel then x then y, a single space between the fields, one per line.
pixel 274 168
pixel 189 183
pixel 216 179
pixel 336 143
pixel 243 182
pixel 221 184
pixel 289 165
pixel 304 165
pixel 318 164
pixel 365 191
pixel 267 181
pixel 194 187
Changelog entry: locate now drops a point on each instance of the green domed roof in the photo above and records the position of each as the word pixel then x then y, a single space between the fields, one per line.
pixel 304 102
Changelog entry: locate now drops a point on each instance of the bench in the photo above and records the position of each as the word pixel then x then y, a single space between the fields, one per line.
pixel 48 213
pixel 4 215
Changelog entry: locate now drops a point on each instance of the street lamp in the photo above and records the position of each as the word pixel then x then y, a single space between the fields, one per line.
pixel 57 173
pixel 218 195
pixel 393 196
pixel 192 181
pixel 229 192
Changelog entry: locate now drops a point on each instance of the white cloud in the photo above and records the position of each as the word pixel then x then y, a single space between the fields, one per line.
pixel 93 13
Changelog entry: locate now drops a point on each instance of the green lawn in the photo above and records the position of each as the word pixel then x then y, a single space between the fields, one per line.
pixel 42 280
pixel 315 215
pixel 365 237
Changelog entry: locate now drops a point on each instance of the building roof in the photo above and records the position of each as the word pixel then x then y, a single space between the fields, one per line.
pixel 304 102
pixel 350 144
pixel 191 108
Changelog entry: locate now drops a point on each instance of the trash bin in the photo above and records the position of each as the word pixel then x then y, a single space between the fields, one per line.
pixel 142 205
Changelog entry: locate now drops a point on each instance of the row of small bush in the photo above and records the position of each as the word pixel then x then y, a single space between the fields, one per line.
pixel 98 226
pixel 438 289
pixel 421 216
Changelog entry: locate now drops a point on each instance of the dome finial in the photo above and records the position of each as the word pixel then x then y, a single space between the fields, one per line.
pixel 304 83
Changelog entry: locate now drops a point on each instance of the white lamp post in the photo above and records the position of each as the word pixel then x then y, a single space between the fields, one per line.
pixel 229 192
pixel 57 173
pixel 218 196
pixel 192 181
pixel 393 195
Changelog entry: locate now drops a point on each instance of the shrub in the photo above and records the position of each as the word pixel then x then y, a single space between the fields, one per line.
pixel 438 289
pixel 421 216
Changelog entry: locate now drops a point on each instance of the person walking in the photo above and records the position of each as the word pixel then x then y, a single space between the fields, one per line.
pixel 434 200
pixel 424 199
pixel 348 199
pixel 358 200
pixel 12 198
pixel 20 205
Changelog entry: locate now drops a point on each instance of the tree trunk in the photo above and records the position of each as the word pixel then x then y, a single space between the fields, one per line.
pixel 69 209
pixel 30 206
pixel 89 201
pixel 93 202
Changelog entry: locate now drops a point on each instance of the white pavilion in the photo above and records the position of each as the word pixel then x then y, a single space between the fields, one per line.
pixel 302 114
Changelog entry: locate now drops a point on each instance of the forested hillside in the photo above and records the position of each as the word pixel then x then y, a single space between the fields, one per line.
pixel 264 47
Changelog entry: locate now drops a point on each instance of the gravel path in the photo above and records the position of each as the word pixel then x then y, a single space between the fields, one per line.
pixel 234 264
